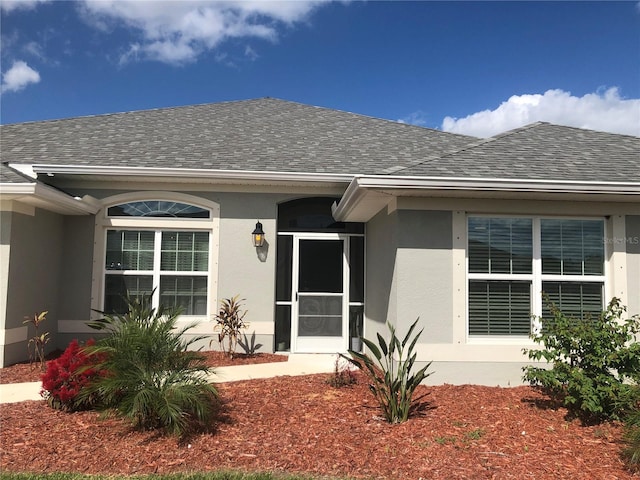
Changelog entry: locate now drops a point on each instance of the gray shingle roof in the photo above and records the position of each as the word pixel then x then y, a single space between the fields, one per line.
pixel 256 135
pixel 541 151
pixel 9 175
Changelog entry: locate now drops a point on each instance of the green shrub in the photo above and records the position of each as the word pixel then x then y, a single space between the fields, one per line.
pixel 631 452
pixel 592 361
pixel 153 380
pixel 392 382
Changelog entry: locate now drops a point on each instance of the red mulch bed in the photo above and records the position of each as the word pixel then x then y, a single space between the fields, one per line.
pixel 301 424
pixel 26 372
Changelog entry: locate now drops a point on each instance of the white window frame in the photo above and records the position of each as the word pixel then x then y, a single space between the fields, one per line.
pixel 158 225
pixel 536 277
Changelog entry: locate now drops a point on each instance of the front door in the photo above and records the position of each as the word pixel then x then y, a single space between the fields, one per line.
pixel 321 302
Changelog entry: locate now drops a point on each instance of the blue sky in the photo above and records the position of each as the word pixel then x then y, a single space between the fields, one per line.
pixel 471 67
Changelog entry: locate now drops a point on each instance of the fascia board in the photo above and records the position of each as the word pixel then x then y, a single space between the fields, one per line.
pixel 43 196
pixel 155 172
pixel 359 204
pixel 366 195
pixel 497 184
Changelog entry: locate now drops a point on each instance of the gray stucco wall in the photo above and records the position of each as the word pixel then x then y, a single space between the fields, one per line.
pixel 424 273
pixel 409 273
pixel 76 271
pixel 33 275
pixel 381 244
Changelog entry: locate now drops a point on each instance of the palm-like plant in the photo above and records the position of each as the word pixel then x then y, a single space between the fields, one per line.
pixel 229 322
pixel 390 372
pixel 153 379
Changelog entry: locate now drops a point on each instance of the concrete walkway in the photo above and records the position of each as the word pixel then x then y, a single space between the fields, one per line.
pixel 297 364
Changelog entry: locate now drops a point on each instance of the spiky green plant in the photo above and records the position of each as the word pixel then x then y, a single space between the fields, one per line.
pixel 153 379
pixel 631 451
pixel 389 372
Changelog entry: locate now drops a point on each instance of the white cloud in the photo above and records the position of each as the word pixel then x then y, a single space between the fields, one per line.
pixel 10 5
pixel 178 32
pixel 603 110
pixel 416 118
pixel 18 77
pixel 250 53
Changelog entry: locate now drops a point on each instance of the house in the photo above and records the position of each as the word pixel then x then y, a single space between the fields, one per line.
pixel 365 220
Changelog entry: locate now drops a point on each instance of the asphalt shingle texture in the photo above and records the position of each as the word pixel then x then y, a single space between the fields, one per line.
pixel 279 136
pixel 256 135
pixel 9 175
pixel 542 151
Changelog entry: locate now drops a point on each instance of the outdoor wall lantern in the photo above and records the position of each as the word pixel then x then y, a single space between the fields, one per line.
pixel 258 235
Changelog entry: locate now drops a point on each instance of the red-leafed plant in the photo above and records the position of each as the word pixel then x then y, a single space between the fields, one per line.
pixel 67 375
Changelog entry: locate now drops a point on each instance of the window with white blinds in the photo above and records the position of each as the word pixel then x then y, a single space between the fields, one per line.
pixel 513 263
pixel 173 263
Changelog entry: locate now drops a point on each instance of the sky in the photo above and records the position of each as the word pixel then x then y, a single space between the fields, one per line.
pixel 476 68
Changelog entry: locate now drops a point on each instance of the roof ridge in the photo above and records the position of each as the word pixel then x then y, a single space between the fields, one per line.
pixel 589 129
pixel 225 102
pixel 143 110
pixel 469 146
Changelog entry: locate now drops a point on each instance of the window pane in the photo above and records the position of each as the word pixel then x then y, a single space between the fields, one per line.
pixel 593 247
pixel 284 256
pixel 356 269
pixel 499 308
pixel 356 326
pixel 155 208
pixel 572 247
pixel 283 328
pixel 188 292
pixel 184 251
pixel 119 287
pixel 500 245
pixel 479 251
pixel 312 215
pixel 574 299
pixel 129 250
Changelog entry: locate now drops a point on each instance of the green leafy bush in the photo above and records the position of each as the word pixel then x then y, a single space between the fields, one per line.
pixel 389 372
pixel 592 361
pixel 154 380
pixel 631 452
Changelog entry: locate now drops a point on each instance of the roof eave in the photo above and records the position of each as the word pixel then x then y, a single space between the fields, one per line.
pixel 155 174
pixel 367 195
pixel 42 196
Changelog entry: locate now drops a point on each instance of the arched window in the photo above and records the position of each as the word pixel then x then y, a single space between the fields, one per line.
pixel 158 209
pixel 162 246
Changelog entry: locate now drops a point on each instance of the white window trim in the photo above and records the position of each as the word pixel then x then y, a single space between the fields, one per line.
pixel 157 224
pixel 536 276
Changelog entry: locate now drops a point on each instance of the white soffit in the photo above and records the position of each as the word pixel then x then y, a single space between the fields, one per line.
pixel 48 198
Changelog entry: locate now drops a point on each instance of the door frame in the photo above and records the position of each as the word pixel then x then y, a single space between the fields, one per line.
pixel 316 344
